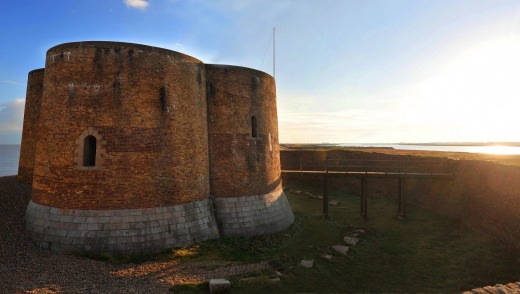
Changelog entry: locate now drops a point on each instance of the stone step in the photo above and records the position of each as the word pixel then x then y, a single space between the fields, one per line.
pixel 341 249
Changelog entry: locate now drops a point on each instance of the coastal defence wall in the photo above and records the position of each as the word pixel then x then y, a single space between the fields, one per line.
pixel 244 152
pixel 483 195
pixel 33 102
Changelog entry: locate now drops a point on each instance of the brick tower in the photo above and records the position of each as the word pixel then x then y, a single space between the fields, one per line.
pixel 30 125
pixel 244 152
pixel 124 162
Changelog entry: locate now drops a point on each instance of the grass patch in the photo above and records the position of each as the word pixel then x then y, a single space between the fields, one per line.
pixel 189 288
pixel 423 253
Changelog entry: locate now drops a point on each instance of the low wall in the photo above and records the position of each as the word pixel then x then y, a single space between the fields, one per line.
pixel 124 231
pixel 483 195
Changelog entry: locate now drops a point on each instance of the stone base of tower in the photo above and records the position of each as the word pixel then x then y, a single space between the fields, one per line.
pixel 124 231
pixel 253 215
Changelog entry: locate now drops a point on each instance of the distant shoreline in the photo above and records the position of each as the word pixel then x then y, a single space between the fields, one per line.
pixel 512 144
pixel 374 145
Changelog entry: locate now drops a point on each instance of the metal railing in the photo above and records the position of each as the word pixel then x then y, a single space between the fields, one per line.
pixel 399 169
pixel 425 167
pixel 364 169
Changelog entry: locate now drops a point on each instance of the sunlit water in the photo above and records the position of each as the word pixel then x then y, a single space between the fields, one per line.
pixel 9 155
pixel 499 150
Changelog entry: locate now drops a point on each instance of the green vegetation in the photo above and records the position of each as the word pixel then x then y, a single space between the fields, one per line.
pixel 191 288
pixel 423 253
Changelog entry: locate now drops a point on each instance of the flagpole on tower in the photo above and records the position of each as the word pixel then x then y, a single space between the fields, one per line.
pixel 274 53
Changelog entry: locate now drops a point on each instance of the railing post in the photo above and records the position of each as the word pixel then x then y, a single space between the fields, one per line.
pixel 361 203
pixel 326 194
pixel 301 166
pixel 399 196
pixel 364 200
pixel 402 202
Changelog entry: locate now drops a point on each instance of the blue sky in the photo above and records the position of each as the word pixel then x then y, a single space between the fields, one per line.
pixel 362 71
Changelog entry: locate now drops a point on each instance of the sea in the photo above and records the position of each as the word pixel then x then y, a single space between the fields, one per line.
pixel 10 154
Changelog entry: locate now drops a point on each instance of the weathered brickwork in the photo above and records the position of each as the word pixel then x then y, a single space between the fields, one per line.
pixel 253 215
pixel 30 125
pixel 128 128
pixel 125 231
pixel 242 164
pixel 148 104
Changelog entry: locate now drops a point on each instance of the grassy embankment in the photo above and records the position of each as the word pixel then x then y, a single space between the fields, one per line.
pixel 424 253
pixel 502 159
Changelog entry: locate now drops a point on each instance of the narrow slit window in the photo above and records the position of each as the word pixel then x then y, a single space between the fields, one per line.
pixel 254 133
pixel 89 151
pixel 163 97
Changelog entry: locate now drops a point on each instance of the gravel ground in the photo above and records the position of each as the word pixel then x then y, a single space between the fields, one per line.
pixel 25 268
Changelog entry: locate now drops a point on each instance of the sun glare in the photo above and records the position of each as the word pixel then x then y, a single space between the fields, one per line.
pixel 476 93
pixel 496 150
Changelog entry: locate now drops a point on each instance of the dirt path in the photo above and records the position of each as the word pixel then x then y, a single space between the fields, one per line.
pixel 24 268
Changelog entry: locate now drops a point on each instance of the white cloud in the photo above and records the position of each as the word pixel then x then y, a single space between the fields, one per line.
pixel 11 121
pixel 141 4
pixel 201 54
pixel 11 82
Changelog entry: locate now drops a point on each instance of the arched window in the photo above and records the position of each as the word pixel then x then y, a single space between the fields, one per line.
pixel 89 151
pixel 254 133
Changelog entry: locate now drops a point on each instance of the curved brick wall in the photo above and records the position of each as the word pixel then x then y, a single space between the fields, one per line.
pixel 146 107
pixel 244 166
pixel 132 137
pixel 253 215
pixel 241 164
pixel 30 125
